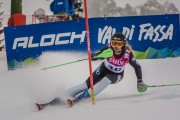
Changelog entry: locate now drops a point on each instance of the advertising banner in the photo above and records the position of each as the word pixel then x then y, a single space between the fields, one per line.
pixel 155 36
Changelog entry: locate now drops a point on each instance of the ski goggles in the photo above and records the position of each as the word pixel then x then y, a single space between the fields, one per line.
pixel 117 43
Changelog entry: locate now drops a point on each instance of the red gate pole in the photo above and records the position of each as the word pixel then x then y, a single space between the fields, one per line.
pixel 89 51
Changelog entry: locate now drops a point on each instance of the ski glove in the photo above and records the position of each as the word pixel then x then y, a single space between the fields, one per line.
pixel 93 55
pixel 94 58
pixel 141 87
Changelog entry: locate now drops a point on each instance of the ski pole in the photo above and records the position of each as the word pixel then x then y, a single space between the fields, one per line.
pixel 163 85
pixel 45 68
pixel 103 55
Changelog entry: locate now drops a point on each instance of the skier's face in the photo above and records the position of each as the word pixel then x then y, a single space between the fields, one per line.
pixel 117 45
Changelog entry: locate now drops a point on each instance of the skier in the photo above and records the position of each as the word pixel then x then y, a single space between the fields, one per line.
pixel 110 71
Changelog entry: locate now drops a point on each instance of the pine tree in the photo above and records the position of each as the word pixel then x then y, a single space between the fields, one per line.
pixel 1 29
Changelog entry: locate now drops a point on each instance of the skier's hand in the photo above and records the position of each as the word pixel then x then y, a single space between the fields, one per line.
pixel 141 86
pixel 93 55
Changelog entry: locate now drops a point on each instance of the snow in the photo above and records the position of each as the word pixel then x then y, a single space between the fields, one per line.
pixel 20 89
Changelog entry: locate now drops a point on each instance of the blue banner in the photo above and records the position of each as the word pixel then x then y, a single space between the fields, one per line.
pixel 157 35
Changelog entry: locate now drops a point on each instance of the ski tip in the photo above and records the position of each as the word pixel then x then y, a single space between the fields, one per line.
pixel 39 107
pixel 69 102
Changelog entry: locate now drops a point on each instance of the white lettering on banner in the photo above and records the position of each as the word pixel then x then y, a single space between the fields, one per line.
pixel 105 34
pixel 48 40
pixel 156 33
pixel 74 36
pixel 59 42
pixel 20 42
pixel 128 32
pixel 30 44
pixel 147 31
pixel 50 37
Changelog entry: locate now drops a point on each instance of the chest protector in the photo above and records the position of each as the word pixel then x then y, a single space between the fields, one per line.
pixel 117 65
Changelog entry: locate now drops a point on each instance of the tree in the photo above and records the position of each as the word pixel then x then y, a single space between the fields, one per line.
pixel 99 8
pixel 129 11
pixel 170 8
pixel 151 7
pixel 1 29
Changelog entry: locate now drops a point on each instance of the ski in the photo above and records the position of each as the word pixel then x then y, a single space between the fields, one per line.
pixel 40 106
pixel 69 103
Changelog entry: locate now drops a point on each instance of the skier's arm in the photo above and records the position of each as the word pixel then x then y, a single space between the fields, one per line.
pixel 99 52
pixel 141 87
pixel 136 66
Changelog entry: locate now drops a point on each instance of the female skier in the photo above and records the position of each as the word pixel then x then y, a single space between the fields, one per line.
pixel 110 71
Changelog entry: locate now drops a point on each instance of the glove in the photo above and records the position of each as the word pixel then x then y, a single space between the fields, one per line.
pixel 141 87
pixel 94 55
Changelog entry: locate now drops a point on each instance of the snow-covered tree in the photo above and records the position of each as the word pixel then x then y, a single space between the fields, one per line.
pixel 170 8
pixel 99 8
pixel 129 11
pixel 152 7
pixel 1 29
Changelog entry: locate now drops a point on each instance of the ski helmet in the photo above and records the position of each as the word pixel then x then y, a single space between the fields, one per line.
pixel 119 37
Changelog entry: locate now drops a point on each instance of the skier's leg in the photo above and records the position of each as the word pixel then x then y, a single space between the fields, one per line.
pixel 72 92
pixel 99 87
pixel 55 101
pixel 97 76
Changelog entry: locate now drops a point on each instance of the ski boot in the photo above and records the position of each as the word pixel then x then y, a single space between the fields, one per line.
pixel 82 96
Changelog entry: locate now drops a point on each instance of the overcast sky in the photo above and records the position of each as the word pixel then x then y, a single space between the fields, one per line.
pixel 29 6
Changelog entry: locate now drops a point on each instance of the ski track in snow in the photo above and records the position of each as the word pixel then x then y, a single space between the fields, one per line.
pixel 20 89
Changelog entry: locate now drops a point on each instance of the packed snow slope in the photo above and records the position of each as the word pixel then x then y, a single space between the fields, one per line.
pixel 20 89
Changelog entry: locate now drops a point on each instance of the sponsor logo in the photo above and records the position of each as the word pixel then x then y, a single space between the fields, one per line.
pixel 146 31
pixel 48 40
